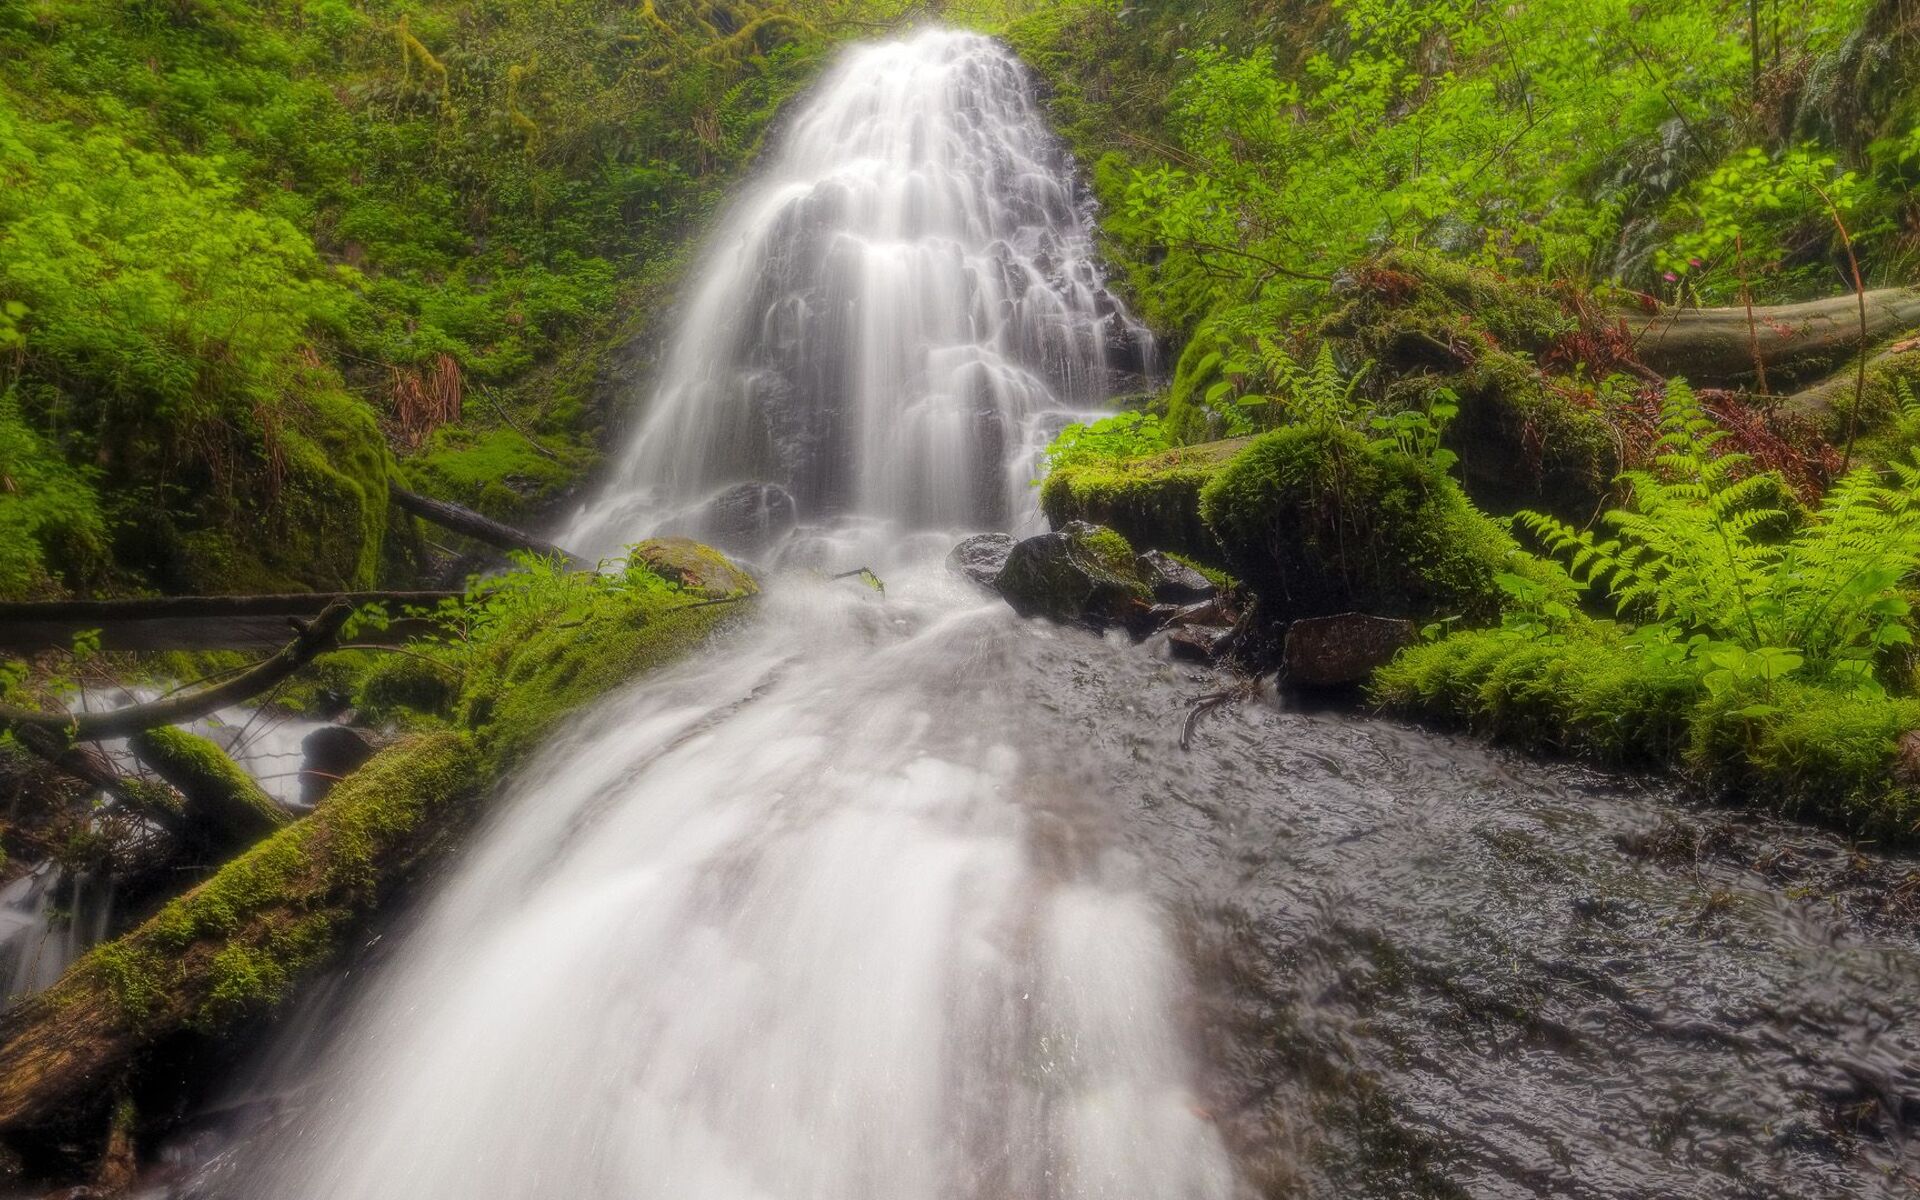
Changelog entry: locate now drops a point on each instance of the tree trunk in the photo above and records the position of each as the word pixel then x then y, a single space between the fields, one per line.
pixel 1715 347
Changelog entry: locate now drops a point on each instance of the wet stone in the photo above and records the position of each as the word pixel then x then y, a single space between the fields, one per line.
pixel 1172 581
pixel 1343 650
pixel 981 557
pixel 1197 643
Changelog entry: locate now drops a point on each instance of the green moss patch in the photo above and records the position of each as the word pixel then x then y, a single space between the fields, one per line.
pixel 1320 521
pixel 1152 501
pixel 1592 692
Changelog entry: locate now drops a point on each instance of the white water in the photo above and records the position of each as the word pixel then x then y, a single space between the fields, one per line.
pixel 828 914
pixel 905 302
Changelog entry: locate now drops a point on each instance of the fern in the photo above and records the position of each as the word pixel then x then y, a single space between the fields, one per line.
pixel 1704 547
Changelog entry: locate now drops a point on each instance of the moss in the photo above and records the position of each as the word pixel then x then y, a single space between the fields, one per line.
pixel 319 526
pixel 1585 691
pixel 497 471
pixel 235 944
pixel 1812 752
pixel 514 698
pixel 224 805
pixel 1153 501
pixel 1526 440
pixel 402 687
pixel 1320 522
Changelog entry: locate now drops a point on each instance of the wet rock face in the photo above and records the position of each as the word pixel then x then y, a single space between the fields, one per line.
pixel 1342 651
pixel 1172 581
pixel 981 557
pixel 748 518
pixel 1079 574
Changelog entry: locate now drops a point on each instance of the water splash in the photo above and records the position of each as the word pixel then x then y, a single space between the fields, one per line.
pixel 897 313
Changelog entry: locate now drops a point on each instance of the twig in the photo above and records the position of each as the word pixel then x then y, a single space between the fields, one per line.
pixel 515 425
pixel 1860 294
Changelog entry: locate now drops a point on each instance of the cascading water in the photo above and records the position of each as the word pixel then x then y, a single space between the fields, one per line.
pixel 808 918
pixel 903 897
pixel 886 321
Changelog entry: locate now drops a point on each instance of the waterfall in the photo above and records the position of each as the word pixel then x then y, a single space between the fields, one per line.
pixel 824 914
pixel 888 318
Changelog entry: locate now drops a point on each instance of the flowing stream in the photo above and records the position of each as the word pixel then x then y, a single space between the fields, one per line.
pixel 896 896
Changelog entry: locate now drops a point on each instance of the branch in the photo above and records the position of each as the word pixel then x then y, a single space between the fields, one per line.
pixel 313 640
pixel 463 520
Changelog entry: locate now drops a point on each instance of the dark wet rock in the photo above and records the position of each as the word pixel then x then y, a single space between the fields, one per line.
pixel 1079 574
pixel 1198 643
pixel 1206 612
pixel 981 557
pixel 1172 581
pixel 1343 650
pixel 331 753
pixel 748 518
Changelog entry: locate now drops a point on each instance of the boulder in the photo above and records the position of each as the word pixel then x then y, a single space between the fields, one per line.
pixel 1172 581
pixel 981 557
pixel 748 518
pixel 1343 650
pixel 331 753
pixel 1080 574
pixel 695 567
pixel 1198 643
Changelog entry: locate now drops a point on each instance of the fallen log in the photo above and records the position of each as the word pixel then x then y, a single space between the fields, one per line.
pixel 199 622
pixel 1716 347
pixel 480 528
pixel 237 943
pixel 1829 400
pixel 225 810
pixel 312 640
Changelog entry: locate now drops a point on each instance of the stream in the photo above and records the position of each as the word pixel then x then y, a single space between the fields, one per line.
pixel 895 896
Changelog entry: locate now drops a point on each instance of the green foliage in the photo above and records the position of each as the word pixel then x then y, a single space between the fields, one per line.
pixel 1736 224
pixel 1109 439
pixel 238 236
pixel 1704 551
pixel 50 522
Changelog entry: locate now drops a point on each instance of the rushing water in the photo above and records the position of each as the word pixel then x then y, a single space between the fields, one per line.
pixel 898 896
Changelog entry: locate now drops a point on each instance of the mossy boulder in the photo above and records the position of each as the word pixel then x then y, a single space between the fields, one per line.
pixel 316 519
pixel 694 567
pixel 1154 501
pixel 1079 574
pixel 1320 521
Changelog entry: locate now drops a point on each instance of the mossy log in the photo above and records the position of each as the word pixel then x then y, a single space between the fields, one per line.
pixel 235 945
pixel 1828 402
pixel 1798 342
pixel 225 810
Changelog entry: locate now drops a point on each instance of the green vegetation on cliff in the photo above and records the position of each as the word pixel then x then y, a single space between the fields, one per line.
pixel 249 252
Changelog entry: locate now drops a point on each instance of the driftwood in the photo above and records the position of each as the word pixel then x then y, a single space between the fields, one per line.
pixel 465 521
pixel 1717 346
pixel 312 640
pixel 156 802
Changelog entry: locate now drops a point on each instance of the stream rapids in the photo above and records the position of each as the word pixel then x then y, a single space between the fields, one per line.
pixel 895 896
